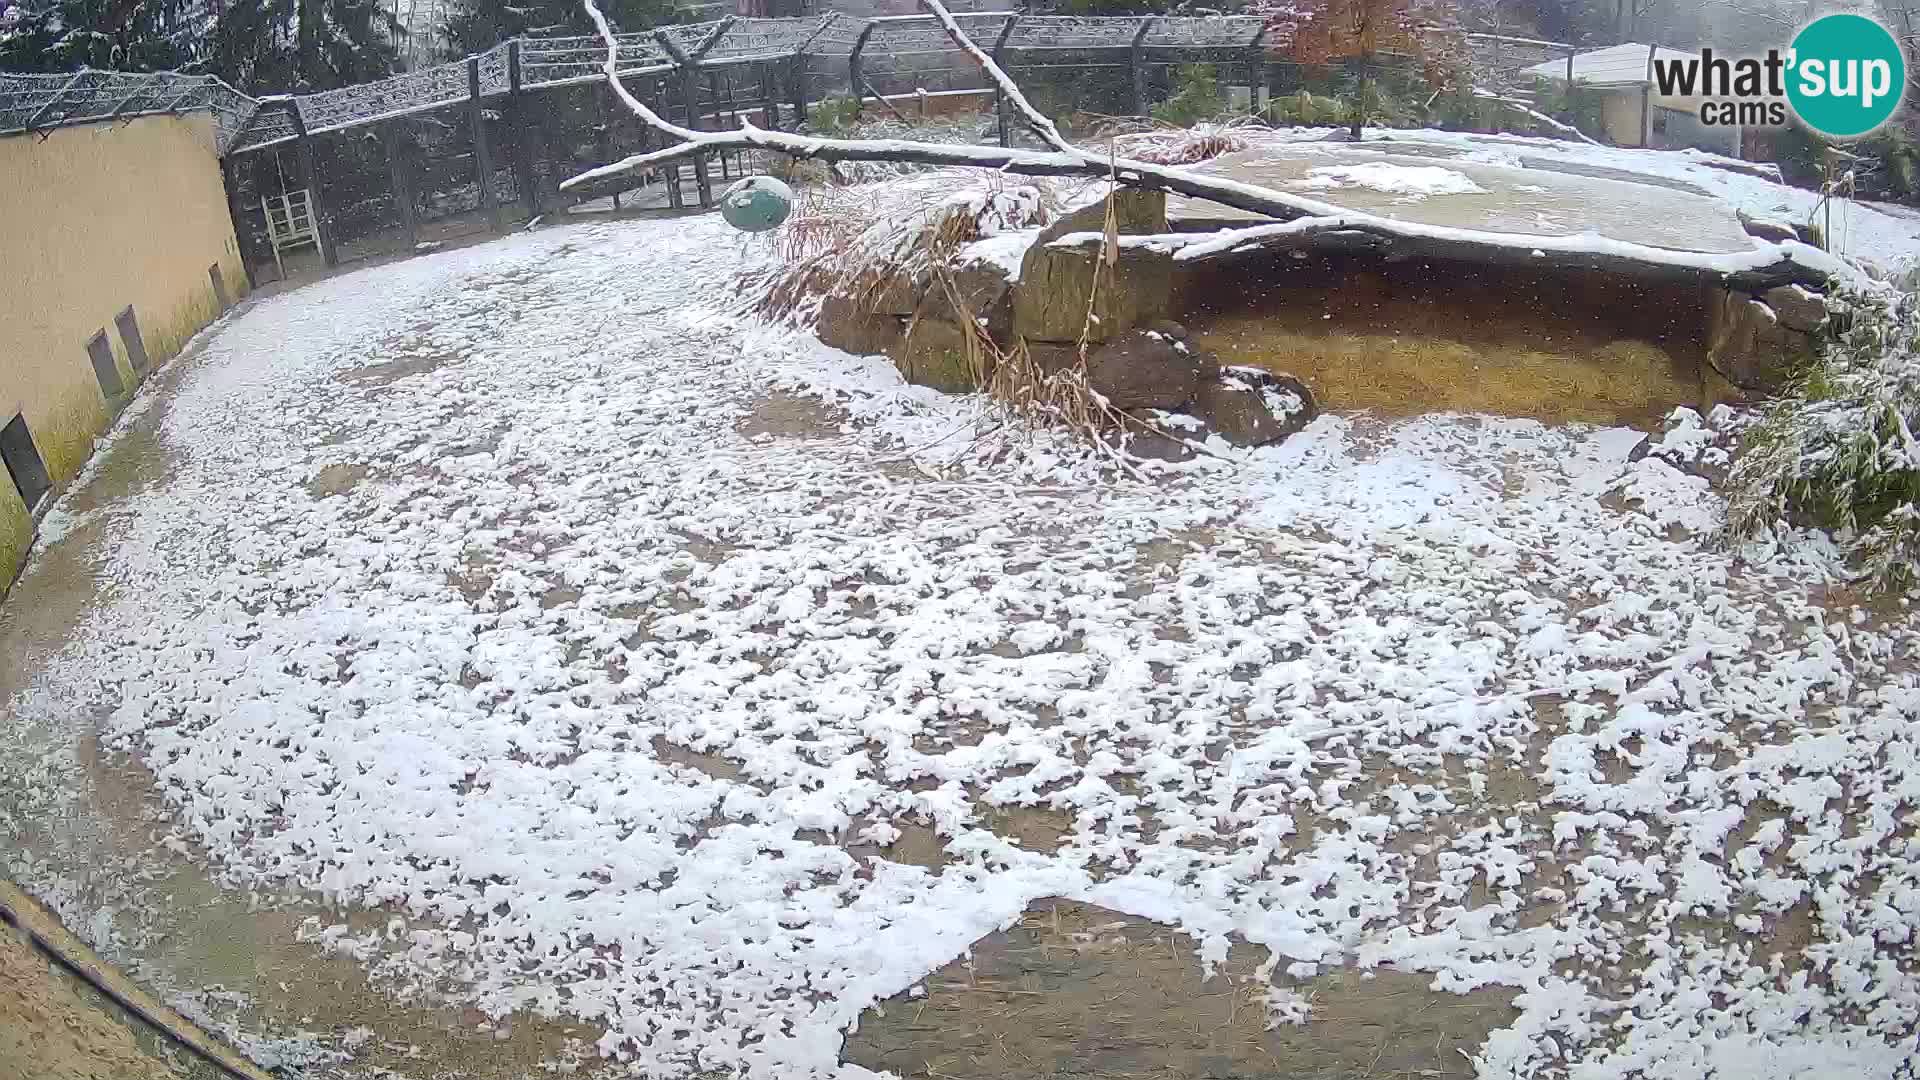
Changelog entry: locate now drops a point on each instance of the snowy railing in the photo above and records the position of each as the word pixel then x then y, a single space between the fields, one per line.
pixel 38 102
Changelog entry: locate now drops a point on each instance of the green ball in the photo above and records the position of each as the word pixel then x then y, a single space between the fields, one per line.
pixel 756 204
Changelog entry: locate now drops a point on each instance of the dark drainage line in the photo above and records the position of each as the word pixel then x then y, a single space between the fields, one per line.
pixel 200 1045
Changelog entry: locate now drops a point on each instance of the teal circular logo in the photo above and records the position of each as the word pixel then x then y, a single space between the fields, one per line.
pixel 1846 75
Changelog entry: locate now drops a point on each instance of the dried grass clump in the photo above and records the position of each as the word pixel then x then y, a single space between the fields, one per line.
pixel 1165 144
pixel 857 240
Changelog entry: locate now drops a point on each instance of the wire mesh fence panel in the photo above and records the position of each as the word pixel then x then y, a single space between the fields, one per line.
pixel 363 214
pixel 1065 82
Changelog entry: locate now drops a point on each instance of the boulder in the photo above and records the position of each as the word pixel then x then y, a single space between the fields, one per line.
pixel 934 352
pixel 983 287
pixel 1050 302
pixel 1749 346
pixel 1767 228
pixel 1161 435
pixel 1253 407
pixel 1796 308
pixel 847 326
pixel 1145 369
pixel 1136 213
pixel 897 292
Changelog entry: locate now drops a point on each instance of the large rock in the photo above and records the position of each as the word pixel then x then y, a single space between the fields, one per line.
pixel 1767 228
pixel 934 351
pixel 1749 346
pixel 984 289
pixel 1146 369
pixel 894 292
pixel 1136 213
pixel 1796 308
pixel 1253 407
pixel 1050 302
pixel 846 325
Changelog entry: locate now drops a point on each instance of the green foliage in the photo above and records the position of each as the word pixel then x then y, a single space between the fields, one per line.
pixel 1570 104
pixel 1308 109
pixel 1839 450
pixel 1196 97
pixel 834 116
pixel 1893 170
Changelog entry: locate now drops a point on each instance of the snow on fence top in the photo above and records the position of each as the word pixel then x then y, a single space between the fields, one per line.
pixel 548 62
pixel 35 102
pixel 566 61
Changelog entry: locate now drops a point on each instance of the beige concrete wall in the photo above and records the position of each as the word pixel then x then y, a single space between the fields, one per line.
pixel 93 218
pixel 1620 116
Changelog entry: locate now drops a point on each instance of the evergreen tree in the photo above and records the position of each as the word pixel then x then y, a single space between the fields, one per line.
pixel 478 25
pixel 121 35
pixel 274 46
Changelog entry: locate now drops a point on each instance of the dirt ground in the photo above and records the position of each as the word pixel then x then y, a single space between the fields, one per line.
pixel 52 1027
pixel 1079 990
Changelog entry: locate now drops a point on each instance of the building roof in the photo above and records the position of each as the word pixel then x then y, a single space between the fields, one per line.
pixel 1617 65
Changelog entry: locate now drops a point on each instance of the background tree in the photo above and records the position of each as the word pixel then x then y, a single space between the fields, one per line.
pixel 478 25
pixel 258 46
pixel 122 35
pixel 1350 33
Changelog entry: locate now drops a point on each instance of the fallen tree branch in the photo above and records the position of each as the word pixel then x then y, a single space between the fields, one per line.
pixel 1763 266
pixel 1300 220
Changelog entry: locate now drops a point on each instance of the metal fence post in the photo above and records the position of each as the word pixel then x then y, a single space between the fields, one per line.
pixel 999 96
pixel 242 236
pixel 1137 63
pixel 856 80
pixel 1256 69
pixel 689 71
pixel 482 155
pixel 317 199
pixel 523 177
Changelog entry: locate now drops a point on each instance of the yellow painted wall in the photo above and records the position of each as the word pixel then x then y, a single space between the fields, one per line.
pixel 92 218
pixel 1620 115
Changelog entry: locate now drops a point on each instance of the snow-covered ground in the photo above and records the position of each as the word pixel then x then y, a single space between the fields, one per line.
pixel 520 591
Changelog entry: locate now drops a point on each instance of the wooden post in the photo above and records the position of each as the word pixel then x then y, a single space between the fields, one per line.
pixel 482 155
pixel 999 97
pixel 310 176
pixel 398 170
pixel 1646 101
pixel 1137 63
pixel 523 176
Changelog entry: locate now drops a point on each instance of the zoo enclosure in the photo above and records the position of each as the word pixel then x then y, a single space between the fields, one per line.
pixel 473 145
pixel 476 144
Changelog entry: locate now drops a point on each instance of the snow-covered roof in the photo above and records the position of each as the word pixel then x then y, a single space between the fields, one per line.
pixel 1616 65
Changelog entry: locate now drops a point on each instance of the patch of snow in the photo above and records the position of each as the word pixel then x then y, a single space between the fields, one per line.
pixel 1411 181
pixel 1006 250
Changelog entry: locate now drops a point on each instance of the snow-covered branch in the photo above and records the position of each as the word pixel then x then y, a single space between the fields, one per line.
pixel 1535 115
